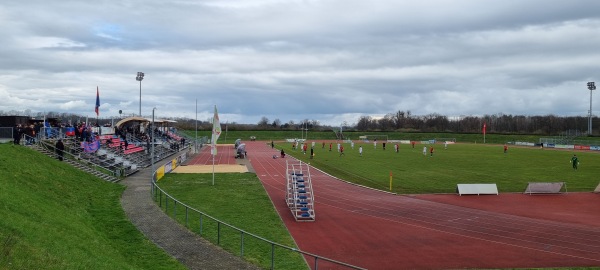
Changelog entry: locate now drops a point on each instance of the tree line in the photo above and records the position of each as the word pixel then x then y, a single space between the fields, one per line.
pixel 495 123
pixel 403 121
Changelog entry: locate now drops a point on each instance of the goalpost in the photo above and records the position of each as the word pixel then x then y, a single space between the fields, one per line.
pixel 546 188
pixel 371 138
pixel 449 140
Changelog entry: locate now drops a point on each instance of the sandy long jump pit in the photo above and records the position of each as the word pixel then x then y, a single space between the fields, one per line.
pixel 220 168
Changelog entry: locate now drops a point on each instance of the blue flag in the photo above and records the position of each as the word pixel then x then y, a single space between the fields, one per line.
pixel 97 102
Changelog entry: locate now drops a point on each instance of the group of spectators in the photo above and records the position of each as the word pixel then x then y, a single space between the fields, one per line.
pixel 27 131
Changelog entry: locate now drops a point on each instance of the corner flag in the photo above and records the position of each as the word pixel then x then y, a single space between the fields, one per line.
pixel 97 102
pixel 484 129
pixel 216 132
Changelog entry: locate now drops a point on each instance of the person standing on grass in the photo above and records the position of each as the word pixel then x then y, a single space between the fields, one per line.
pixel 330 145
pixel 431 151
pixel 424 150
pixel 396 147
pixel 505 149
pixel 360 151
pixel 574 162
pixel 312 153
pixel 342 150
pixel 17 133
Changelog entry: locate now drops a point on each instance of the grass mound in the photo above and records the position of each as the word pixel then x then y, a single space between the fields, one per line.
pixel 56 217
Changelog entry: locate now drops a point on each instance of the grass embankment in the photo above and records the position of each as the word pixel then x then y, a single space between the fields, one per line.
pixel 56 217
pixel 413 172
pixel 239 200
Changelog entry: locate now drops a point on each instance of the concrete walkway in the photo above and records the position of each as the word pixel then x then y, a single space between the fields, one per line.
pixel 191 250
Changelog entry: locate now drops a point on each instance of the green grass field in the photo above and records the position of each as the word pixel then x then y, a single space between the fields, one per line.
pixel 412 172
pixel 263 135
pixel 239 200
pixel 56 217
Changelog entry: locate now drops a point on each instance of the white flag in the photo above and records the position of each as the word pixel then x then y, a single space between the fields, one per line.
pixel 216 132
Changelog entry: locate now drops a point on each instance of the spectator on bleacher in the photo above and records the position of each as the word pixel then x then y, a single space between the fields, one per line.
pixel 37 128
pixel 78 132
pixel 84 133
pixel 126 144
pixel 29 132
pixel 60 149
pixel 182 142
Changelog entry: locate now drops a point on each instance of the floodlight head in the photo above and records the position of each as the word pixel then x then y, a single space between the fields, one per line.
pixel 140 76
pixel 591 85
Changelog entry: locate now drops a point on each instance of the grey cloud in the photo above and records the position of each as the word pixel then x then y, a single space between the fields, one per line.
pixel 331 61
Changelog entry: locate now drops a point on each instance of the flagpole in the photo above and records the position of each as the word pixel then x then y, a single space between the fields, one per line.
pixel 216 132
pixel 196 140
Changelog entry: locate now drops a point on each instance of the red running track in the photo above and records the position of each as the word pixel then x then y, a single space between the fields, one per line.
pixel 225 155
pixel 377 230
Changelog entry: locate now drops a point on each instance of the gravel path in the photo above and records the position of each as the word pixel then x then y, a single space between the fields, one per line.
pixel 188 248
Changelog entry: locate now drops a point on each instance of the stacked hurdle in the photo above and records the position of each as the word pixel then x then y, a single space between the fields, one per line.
pixel 299 195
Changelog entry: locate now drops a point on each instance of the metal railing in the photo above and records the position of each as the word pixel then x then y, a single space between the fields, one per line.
pixel 162 197
pixel 75 155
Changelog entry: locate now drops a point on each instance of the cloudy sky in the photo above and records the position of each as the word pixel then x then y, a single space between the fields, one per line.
pixel 325 60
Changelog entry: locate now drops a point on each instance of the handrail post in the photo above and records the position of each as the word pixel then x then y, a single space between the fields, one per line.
pixel 218 233
pixel 186 216
pixel 242 244
pixel 200 224
pixel 272 256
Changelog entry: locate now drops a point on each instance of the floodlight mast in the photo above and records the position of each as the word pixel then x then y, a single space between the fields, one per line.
pixel 152 143
pixel 139 78
pixel 591 86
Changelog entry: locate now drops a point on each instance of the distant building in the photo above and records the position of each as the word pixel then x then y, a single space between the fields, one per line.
pixel 11 121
